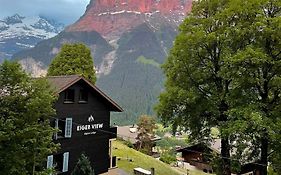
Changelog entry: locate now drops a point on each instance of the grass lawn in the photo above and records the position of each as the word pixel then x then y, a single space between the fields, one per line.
pixel 139 160
pixel 146 162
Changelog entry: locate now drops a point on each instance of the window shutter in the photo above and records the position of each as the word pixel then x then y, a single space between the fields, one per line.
pixel 56 127
pixel 65 162
pixel 50 161
pixel 68 127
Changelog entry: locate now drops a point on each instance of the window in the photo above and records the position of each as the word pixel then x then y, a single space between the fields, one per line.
pixel 69 95
pixel 83 96
pixel 65 128
pixel 65 162
pixel 50 161
pixel 68 128
pixel 59 162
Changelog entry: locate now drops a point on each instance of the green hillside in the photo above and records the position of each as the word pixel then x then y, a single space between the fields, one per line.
pixel 146 162
pixel 136 79
pixel 139 160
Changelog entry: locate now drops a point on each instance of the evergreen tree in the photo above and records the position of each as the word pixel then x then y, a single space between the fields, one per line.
pixel 73 59
pixel 83 166
pixel 25 134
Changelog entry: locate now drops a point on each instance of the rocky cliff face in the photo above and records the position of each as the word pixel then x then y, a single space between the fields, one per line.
pixel 113 17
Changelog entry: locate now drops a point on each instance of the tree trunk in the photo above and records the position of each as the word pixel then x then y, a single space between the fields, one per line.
pixel 225 153
pixel 33 166
pixel 264 154
pixel 225 147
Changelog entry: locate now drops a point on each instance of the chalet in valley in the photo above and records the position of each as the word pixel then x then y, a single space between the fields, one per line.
pixel 199 156
pixel 83 117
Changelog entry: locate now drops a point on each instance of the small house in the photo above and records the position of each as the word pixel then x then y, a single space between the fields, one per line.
pixel 83 118
pixel 199 156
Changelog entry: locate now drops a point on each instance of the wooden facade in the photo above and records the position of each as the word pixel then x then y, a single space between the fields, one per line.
pixel 195 157
pixel 83 116
pixel 200 156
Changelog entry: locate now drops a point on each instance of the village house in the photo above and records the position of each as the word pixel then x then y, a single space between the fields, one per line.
pixel 130 133
pixel 199 156
pixel 83 117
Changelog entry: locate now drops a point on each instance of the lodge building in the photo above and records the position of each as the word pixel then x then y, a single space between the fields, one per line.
pixel 83 118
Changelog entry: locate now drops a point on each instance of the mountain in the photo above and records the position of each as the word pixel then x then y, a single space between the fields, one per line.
pixel 129 40
pixel 19 33
pixel 114 17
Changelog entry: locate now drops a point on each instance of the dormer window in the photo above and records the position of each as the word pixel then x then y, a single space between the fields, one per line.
pixel 69 96
pixel 83 96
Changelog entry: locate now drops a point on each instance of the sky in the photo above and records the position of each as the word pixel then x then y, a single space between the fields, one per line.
pixel 65 11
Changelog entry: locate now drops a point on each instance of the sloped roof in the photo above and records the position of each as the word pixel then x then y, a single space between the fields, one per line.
pixel 60 83
pixel 214 145
pixel 130 133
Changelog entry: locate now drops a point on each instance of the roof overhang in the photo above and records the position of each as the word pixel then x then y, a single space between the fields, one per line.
pixel 72 79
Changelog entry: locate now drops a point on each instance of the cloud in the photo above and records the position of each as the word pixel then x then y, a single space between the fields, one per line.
pixel 66 11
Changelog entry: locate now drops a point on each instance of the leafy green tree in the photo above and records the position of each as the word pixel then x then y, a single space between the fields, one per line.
pixel 25 134
pixel 73 59
pixel 224 72
pixel 146 127
pixel 83 166
pixel 197 90
pixel 256 69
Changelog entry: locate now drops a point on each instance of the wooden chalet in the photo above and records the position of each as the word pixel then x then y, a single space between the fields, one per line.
pixel 200 155
pixel 83 117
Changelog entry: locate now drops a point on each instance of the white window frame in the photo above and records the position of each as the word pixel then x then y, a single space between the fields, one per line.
pixel 50 161
pixel 65 162
pixel 68 128
pixel 56 127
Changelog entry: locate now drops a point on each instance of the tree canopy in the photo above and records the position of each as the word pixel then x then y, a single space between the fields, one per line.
pixel 146 134
pixel 25 134
pixel 223 71
pixel 73 59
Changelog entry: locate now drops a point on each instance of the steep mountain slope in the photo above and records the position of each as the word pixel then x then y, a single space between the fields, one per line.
pixel 37 59
pixel 129 40
pixel 133 80
pixel 19 33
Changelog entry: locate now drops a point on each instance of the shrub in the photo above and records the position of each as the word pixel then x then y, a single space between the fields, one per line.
pixel 168 157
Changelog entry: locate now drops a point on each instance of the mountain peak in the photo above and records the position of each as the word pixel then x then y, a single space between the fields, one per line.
pixel 112 17
pixel 18 33
pixel 14 19
pixel 142 6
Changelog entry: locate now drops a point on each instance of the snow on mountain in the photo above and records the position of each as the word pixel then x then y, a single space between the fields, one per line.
pixel 17 26
pixel 18 33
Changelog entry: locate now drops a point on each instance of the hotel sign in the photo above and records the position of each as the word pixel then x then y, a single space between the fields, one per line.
pixel 90 128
